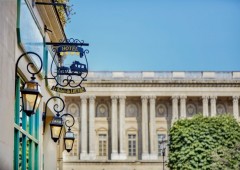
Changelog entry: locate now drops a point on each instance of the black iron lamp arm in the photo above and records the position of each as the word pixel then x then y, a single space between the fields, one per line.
pixel 56 106
pixel 30 64
pixel 66 122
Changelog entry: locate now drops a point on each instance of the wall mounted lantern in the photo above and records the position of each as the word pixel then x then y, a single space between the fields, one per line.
pixel 31 92
pixel 57 123
pixel 69 140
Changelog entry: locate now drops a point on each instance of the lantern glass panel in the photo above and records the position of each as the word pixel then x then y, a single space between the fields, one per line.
pixel 39 97
pixel 29 102
pixel 32 85
pixel 31 97
pixel 69 135
pixel 56 130
pixel 69 140
pixel 68 144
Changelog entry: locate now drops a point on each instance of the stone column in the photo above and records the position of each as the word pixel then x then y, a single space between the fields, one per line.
pixel 235 107
pixel 183 113
pixel 153 138
pixel 114 130
pixel 174 108
pixel 213 105
pixel 92 134
pixel 145 153
pixel 122 134
pixel 205 105
pixel 84 155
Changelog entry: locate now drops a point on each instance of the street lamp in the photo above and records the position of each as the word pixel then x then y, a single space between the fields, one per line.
pixel 163 148
pixel 69 140
pixel 31 92
pixel 57 124
pixel 56 128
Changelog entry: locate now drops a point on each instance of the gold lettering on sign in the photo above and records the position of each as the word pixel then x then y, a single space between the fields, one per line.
pixel 69 48
pixel 68 91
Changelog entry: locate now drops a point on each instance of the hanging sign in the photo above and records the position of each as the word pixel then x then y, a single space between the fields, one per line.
pixel 69 72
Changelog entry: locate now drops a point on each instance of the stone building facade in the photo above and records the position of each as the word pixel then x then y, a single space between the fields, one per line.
pixel 123 116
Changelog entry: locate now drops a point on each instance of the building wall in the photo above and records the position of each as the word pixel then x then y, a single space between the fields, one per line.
pixel 10 52
pixel 147 107
pixel 7 79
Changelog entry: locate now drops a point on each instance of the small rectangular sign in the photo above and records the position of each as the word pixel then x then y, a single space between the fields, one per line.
pixel 68 91
pixel 68 48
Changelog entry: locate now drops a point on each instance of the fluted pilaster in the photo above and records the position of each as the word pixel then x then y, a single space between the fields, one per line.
pixel 153 138
pixel 83 155
pixel 205 105
pixel 213 105
pixel 183 113
pixel 114 129
pixel 174 108
pixel 92 134
pixel 122 134
pixel 145 153
pixel 235 107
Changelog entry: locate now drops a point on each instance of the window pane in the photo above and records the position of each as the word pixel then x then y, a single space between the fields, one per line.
pixel 31 38
pixel 27 154
pixel 20 151
pixel 102 144
pixel 132 145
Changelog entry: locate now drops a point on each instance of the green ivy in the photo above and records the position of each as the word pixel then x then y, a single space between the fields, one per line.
pixel 194 142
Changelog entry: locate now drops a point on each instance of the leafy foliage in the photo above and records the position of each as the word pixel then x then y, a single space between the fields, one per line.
pixel 226 158
pixel 194 142
pixel 62 13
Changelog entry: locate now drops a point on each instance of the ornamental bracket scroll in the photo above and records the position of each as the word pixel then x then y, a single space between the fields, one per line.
pixel 68 79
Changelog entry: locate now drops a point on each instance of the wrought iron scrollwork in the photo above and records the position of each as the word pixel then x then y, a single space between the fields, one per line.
pixel 34 72
pixel 68 121
pixel 58 108
pixel 74 75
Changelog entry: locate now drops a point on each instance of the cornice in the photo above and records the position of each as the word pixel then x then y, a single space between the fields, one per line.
pixel 161 83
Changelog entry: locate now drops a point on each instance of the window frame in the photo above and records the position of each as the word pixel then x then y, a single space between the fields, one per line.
pixel 106 145
pixel 28 130
pixel 130 143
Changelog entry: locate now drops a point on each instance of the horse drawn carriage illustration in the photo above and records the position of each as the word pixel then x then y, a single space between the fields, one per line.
pixel 76 68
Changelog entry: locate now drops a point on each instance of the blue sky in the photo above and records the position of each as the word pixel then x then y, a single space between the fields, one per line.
pixel 158 35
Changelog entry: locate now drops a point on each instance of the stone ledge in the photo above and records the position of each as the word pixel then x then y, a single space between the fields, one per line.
pixel 178 74
pixel 236 74
pixel 208 75
pixel 148 74
pixel 113 161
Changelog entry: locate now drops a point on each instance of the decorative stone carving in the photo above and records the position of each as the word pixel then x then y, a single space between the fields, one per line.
pixel 131 110
pixel 102 110
pixel 73 110
pixel 235 99
pixel 221 109
pixel 191 109
pixel 161 110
